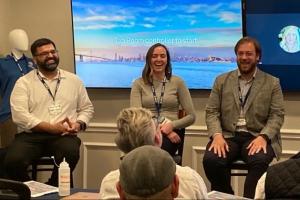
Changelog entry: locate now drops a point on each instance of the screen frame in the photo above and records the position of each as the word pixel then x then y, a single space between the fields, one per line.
pixel 285 72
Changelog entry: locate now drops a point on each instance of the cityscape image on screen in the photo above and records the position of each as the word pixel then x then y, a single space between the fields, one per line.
pixel 111 39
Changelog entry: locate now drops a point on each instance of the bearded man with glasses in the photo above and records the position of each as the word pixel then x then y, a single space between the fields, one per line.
pixel 50 106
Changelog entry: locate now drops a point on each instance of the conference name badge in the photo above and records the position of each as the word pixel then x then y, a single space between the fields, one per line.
pixel 241 122
pixel 54 109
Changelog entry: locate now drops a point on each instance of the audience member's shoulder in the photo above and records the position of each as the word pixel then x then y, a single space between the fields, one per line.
pixel 186 172
pixel 107 187
pixel 111 176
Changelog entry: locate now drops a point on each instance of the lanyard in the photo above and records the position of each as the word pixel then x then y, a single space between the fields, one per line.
pixel 158 103
pixel 17 62
pixel 47 87
pixel 243 101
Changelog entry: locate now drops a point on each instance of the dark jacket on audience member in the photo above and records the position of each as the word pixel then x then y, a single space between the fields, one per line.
pixel 283 179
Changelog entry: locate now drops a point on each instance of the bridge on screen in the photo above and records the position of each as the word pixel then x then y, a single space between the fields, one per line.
pixel 83 57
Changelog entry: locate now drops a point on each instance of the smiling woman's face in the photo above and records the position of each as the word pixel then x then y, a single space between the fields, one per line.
pixel 159 60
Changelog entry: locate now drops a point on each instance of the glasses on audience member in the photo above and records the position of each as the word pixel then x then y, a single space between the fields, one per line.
pixel 46 53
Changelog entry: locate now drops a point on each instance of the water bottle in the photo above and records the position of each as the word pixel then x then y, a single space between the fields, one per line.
pixel 64 179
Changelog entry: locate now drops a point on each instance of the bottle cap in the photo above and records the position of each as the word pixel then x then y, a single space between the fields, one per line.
pixel 64 163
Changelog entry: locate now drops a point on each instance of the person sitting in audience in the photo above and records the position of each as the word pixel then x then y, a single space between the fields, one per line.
pixel 281 180
pixel 148 172
pixel 137 128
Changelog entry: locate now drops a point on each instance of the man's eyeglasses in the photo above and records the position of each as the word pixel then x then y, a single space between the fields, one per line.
pixel 46 53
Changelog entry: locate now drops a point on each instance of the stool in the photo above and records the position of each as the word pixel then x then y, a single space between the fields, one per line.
pixel 238 165
pixel 35 167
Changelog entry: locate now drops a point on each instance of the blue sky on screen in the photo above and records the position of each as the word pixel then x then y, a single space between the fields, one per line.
pixel 177 23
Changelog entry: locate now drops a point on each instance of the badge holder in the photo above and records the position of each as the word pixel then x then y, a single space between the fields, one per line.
pixel 54 109
pixel 241 122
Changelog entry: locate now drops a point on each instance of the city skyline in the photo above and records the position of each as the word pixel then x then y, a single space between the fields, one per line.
pixel 82 57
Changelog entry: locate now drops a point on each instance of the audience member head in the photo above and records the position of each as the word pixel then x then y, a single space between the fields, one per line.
pixel 151 60
pixel 148 172
pixel 45 54
pixel 137 128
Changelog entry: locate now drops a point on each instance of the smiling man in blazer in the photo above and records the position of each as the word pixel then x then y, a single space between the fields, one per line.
pixel 244 115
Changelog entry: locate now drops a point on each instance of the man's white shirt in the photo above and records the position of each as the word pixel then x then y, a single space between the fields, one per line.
pixel 30 100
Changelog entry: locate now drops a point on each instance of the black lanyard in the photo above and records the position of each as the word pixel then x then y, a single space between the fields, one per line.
pixel 157 103
pixel 47 87
pixel 243 101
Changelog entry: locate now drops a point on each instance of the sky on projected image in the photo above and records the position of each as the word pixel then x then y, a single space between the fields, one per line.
pixel 113 37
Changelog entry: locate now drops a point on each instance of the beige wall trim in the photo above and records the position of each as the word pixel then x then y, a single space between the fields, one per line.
pixel 86 160
pixel 289 153
pixel 102 128
pixel 192 130
pixel 196 151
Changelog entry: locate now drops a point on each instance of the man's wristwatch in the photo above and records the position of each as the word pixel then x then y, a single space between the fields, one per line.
pixel 82 125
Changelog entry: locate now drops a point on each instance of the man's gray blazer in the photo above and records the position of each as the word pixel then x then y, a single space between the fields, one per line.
pixel 264 110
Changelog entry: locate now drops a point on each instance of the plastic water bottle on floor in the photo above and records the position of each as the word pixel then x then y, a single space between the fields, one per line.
pixel 64 179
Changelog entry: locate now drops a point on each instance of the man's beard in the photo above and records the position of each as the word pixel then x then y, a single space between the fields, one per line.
pixel 49 67
pixel 250 70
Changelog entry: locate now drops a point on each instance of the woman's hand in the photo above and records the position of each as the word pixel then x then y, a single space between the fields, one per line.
pixel 166 127
pixel 174 137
